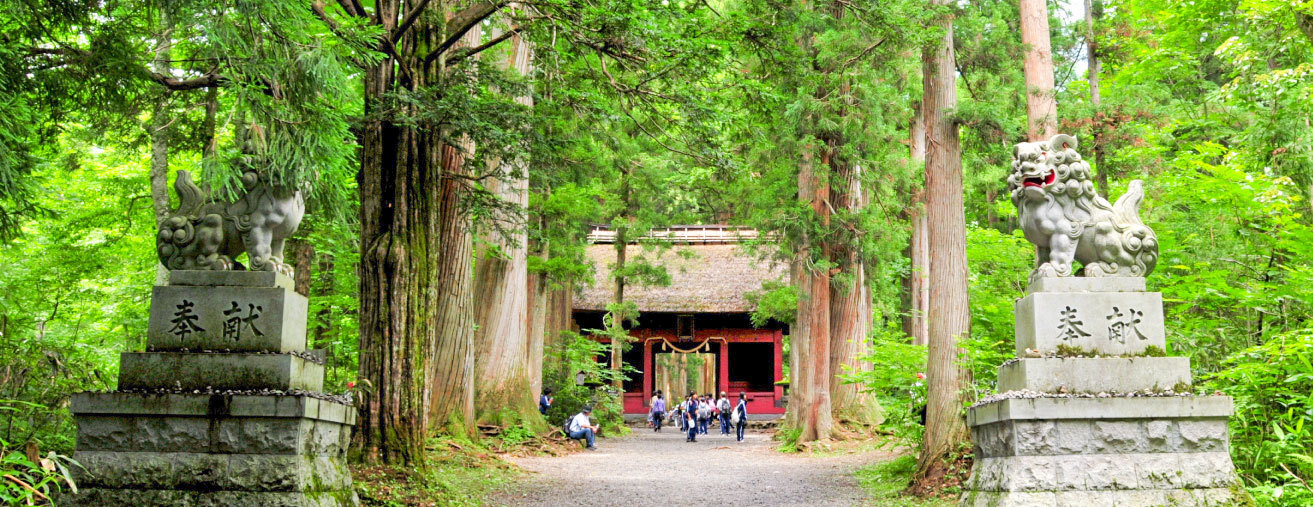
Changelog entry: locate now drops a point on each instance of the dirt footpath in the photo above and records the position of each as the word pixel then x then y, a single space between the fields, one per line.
pixel 647 468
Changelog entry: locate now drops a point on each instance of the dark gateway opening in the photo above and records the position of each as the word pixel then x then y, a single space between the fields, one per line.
pixel 751 366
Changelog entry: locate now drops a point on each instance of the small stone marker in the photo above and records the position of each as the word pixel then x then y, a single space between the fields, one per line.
pixel 1086 415
pixel 224 408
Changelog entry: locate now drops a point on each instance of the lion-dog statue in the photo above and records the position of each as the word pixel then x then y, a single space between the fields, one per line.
pixel 205 234
pixel 1067 221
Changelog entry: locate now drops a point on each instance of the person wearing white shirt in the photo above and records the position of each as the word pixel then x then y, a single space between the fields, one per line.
pixel 582 428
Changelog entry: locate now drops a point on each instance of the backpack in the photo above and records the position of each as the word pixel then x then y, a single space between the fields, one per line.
pixel 565 427
pixel 704 411
pixel 723 405
pixel 734 417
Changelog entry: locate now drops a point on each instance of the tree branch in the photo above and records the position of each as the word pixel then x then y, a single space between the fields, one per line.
pixel 407 20
pixel 463 53
pixel 176 84
pixel 461 23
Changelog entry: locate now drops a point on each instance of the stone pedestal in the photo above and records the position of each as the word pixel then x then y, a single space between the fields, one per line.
pixel 224 408
pixel 1093 431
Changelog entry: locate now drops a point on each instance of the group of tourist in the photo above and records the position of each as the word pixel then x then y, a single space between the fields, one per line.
pixel 695 413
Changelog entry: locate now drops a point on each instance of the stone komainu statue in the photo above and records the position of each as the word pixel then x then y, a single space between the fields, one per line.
pixel 1067 221
pixel 207 235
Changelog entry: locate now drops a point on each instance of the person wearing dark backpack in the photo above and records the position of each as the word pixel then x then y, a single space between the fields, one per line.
pixel 723 409
pixel 741 416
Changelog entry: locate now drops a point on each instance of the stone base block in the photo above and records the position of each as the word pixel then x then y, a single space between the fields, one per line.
pixel 1095 375
pixel 196 449
pixel 220 370
pixel 1099 437
pixel 226 318
pixel 98 497
pixel 186 471
pixel 1131 451
pixel 1111 408
pixel 216 405
pixel 1112 323
pixel 1087 284
pixel 270 425
pixel 1097 472
pixel 1212 497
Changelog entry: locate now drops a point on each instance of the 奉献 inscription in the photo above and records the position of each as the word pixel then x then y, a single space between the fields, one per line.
pixel 184 320
pixel 1124 325
pixel 1069 326
pixel 234 322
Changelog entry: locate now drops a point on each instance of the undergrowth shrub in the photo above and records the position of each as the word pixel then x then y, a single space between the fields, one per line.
pixel 1272 429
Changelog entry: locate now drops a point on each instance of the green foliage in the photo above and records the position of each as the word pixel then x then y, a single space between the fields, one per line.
pixel 886 481
pixel 776 301
pixel 897 377
pixel 458 472
pixel 28 483
pixel 1272 429
pixel 574 354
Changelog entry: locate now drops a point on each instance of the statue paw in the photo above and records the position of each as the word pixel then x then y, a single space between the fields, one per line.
pixel 1049 270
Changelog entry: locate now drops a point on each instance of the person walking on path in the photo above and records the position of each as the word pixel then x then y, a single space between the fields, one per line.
pixel 741 416
pixel 704 414
pixel 723 408
pixel 658 411
pixel 691 417
pixel 582 428
pixel 545 401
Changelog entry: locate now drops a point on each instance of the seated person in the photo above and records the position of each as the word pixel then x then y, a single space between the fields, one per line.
pixel 580 428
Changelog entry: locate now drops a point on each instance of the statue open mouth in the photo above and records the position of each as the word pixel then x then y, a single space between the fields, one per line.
pixel 1040 181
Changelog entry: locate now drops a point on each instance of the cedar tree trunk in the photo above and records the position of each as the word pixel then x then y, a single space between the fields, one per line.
pixel 1041 104
pixel 949 315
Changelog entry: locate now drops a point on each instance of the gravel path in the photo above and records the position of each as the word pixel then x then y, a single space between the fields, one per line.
pixel 647 468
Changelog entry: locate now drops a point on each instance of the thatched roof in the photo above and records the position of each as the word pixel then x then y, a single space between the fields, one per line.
pixel 704 278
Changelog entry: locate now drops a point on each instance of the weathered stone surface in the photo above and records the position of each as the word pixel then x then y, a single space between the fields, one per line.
pixel 99 497
pixel 1123 471
pixel 233 435
pixel 204 405
pixel 211 472
pixel 1085 436
pixel 230 278
pixel 226 318
pixel 1211 497
pixel 1087 284
pixel 220 370
pixel 1113 323
pixel 1095 375
pixel 1144 407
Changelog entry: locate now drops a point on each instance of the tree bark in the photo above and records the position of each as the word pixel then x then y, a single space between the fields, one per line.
pixel 1092 12
pixel 503 391
pixel 915 325
pixel 416 312
pixel 303 256
pixel 1041 104
pixel 159 136
pixel 811 337
pixel 618 297
pixel 850 310
pixel 949 314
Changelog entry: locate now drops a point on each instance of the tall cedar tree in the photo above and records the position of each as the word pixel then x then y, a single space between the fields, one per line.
pixel 949 315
